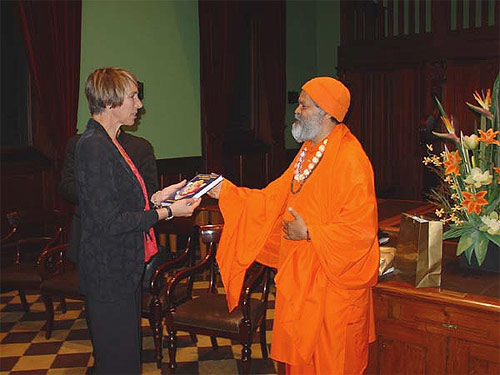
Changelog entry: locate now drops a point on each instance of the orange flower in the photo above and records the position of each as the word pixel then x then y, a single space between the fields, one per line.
pixel 452 163
pixel 449 124
pixel 474 202
pixel 488 137
pixel 497 169
pixel 484 101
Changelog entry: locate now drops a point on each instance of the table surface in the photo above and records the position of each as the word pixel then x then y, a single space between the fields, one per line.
pixel 461 286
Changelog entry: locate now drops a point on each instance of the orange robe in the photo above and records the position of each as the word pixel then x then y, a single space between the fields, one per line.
pixel 323 318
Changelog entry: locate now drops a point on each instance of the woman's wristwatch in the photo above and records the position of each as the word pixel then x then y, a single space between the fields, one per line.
pixel 170 214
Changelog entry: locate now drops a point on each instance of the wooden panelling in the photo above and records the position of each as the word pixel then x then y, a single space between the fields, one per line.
pixel 395 77
pixel 27 181
pixel 452 329
pixel 173 170
pixel 462 79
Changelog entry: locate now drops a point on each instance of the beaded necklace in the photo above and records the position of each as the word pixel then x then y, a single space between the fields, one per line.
pixel 301 177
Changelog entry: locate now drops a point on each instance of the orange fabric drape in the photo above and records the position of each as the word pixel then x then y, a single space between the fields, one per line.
pixel 323 285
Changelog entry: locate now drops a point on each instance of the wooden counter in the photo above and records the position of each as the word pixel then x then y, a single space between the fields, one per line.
pixel 454 329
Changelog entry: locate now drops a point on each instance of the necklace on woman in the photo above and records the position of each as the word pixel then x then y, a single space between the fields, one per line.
pixel 301 177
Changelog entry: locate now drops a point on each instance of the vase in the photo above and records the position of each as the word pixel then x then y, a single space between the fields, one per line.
pixel 491 261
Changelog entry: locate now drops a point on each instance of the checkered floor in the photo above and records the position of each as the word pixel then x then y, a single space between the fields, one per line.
pixel 24 349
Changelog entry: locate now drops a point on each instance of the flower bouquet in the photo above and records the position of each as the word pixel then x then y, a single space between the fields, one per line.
pixel 468 197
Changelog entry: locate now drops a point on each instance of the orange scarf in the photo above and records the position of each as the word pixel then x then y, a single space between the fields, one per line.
pixel 150 246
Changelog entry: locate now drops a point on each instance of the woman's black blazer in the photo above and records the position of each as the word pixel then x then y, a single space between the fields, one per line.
pixel 113 220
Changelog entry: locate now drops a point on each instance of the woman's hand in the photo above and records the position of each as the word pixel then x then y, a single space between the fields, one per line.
pixel 215 192
pixel 163 194
pixel 184 207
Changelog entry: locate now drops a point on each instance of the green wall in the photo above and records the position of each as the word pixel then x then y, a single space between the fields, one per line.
pixel 158 41
pixel 313 35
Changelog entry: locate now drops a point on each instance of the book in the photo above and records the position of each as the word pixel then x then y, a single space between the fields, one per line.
pixel 383 237
pixel 195 188
pixel 386 258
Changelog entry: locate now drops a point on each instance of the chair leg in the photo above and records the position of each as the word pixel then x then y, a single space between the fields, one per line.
pixel 246 356
pixel 194 339
pixel 263 343
pixel 24 302
pixel 156 323
pixel 172 348
pixel 49 310
pixel 157 339
pixel 63 305
pixel 215 346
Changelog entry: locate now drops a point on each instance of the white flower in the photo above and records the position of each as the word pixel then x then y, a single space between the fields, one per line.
pixel 478 178
pixel 491 224
pixel 471 142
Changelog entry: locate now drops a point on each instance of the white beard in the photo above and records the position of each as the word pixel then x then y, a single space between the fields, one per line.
pixel 304 130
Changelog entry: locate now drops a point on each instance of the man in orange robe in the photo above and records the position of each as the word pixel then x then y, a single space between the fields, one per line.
pixel 317 224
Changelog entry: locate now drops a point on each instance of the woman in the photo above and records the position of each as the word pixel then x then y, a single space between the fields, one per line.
pixel 117 235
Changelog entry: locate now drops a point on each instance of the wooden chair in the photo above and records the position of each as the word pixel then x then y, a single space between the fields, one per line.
pixel 31 232
pixel 208 314
pixel 154 306
pixel 60 279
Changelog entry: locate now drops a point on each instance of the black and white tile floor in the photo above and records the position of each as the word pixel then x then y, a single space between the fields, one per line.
pixel 25 351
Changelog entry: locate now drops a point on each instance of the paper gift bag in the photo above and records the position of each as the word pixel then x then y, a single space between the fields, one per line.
pixel 420 251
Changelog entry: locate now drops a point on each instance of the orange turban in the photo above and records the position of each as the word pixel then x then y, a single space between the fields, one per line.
pixel 330 95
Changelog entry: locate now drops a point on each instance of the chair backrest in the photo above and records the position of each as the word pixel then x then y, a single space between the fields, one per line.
pixel 32 231
pixel 53 261
pixel 256 276
pixel 36 223
pixel 210 236
pixel 181 227
pixel 186 232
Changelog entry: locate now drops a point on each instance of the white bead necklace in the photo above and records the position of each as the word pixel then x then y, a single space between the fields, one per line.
pixel 301 177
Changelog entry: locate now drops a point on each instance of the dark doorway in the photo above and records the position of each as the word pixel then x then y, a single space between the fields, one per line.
pixel 243 89
pixel 15 93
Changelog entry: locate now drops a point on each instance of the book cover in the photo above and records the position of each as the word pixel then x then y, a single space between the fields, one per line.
pixel 195 188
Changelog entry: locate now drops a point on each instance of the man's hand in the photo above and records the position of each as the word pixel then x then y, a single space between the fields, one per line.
pixel 215 192
pixel 296 229
pixel 163 194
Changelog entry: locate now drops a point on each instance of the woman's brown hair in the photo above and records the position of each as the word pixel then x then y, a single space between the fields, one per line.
pixel 107 87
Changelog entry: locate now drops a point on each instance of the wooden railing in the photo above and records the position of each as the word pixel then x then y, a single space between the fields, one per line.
pixel 377 33
pixel 396 57
pixel 386 19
